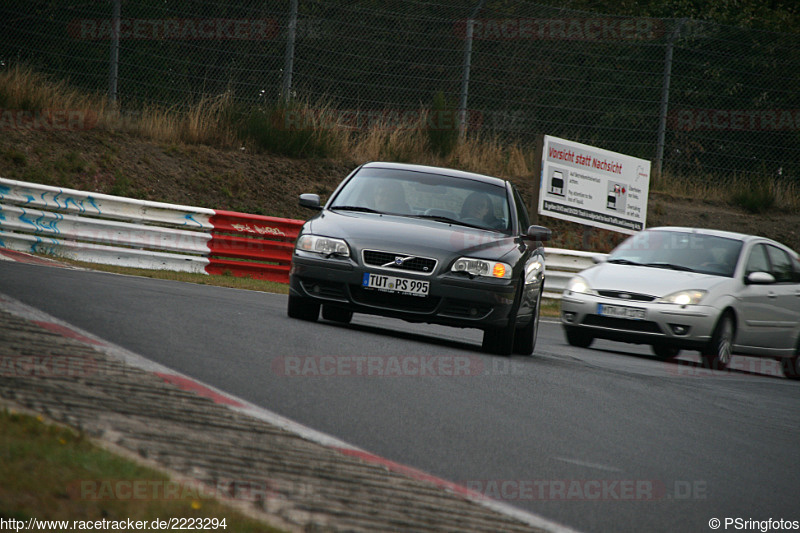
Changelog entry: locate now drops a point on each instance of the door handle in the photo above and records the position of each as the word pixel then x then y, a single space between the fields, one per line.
pixel 771 294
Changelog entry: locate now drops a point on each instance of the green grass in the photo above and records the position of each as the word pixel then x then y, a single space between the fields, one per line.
pixel 231 281
pixel 757 198
pixel 550 308
pixel 292 129
pixel 46 471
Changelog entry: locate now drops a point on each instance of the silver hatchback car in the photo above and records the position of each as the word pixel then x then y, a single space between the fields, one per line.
pixel 684 288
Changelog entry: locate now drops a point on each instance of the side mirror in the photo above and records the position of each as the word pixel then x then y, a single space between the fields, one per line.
pixel 310 201
pixel 538 233
pixel 599 258
pixel 759 278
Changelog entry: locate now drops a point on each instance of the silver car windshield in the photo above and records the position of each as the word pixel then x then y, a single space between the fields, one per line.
pixel 691 252
pixel 418 194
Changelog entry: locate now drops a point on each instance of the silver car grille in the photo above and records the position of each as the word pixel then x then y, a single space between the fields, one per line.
pixel 629 296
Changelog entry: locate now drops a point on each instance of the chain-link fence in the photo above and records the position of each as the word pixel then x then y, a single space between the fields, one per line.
pixel 697 98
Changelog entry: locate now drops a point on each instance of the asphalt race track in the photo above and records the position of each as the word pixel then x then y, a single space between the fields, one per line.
pixel 602 439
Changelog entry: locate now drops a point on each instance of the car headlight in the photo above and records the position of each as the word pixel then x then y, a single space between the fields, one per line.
pixel 692 297
pixel 480 267
pixel 323 245
pixel 579 285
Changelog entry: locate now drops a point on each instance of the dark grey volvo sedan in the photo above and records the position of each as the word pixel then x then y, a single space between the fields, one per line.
pixel 423 244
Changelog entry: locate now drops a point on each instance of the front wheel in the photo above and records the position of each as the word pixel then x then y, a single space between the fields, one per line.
pixel 525 337
pixel 791 365
pixel 499 341
pixel 578 337
pixel 665 352
pixel 717 355
pixel 302 308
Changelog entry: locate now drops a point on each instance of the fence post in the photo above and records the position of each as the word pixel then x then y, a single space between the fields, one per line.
pixel 462 107
pixel 288 62
pixel 113 71
pixel 662 119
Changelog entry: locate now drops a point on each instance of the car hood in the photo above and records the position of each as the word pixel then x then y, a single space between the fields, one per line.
pixel 410 235
pixel 653 281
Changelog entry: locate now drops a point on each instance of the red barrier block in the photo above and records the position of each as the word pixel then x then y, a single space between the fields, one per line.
pixel 242 269
pixel 250 248
pixel 284 229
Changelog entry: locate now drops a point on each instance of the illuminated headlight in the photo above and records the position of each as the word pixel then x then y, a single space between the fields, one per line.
pixel 683 298
pixel 323 245
pixel 579 285
pixel 479 267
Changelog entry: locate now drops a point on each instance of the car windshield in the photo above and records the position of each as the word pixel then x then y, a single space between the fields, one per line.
pixel 419 194
pixel 677 250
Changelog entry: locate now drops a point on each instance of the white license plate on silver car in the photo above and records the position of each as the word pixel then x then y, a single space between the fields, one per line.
pixel 619 311
pixel 393 284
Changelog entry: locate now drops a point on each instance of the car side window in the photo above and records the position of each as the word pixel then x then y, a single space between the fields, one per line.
pixel 522 213
pixel 757 262
pixel 781 265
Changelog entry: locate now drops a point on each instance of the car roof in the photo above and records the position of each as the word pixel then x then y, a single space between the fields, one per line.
pixel 437 170
pixel 718 233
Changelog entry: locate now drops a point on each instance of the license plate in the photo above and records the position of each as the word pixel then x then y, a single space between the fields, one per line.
pixel 414 287
pixel 618 311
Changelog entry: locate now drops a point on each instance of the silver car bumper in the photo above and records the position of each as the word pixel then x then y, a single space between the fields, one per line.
pixel 689 326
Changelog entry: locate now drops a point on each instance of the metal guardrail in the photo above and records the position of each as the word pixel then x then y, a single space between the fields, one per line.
pixel 561 265
pixel 99 228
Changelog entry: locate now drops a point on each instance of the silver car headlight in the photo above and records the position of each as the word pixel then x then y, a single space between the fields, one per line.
pixel 481 267
pixel 579 285
pixel 323 245
pixel 691 297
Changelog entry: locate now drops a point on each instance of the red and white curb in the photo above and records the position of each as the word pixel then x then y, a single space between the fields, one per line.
pixel 187 383
pixel 22 257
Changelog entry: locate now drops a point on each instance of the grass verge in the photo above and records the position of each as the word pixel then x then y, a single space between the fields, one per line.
pixel 232 282
pixel 51 472
pixel 550 308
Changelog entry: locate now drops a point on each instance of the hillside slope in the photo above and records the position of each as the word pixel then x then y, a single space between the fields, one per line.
pixel 127 165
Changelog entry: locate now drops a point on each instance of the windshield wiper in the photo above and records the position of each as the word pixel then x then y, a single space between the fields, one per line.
pixel 670 266
pixel 623 262
pixel 449 220
pixel 358 208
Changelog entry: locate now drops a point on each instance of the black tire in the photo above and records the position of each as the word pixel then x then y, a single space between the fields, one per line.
pixel 578 337
pixel 719 351
pixel 499 341
pixel 302 308
pixel 791 365
pixel 665 352
pixel 336 314
pixel 525 337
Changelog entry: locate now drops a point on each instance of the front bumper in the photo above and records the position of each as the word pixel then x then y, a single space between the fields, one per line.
pixel 688 327
pixel 452 300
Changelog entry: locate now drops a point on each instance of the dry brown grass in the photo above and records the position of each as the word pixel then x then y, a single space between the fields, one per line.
pixel 785 193
pixel 212 121
pixel 207 122
pixel 25 89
